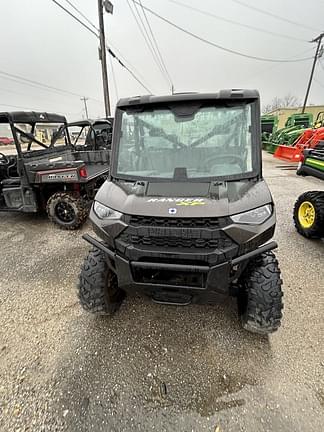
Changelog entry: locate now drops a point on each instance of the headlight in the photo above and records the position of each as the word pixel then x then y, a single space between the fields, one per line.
pixel 254 217
pixel 104 212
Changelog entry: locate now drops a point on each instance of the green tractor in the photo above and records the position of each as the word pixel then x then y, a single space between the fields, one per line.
pixel 295 125
pixel 309 207
pixel 269 125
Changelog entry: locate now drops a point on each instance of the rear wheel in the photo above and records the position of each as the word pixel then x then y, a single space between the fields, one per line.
pixel 309 214
pixel 260 295
pixel 98 290
pixel 67 211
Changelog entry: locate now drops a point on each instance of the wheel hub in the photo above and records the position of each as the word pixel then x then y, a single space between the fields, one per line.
pixel 306 214
pixel 65 212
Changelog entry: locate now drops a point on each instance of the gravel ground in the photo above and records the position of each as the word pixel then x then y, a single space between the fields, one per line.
pixel 151 367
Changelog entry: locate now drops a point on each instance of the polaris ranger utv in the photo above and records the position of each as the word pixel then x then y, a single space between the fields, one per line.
pixel 309 207
pixel 186 215
pixel 44 171
pixel 91 134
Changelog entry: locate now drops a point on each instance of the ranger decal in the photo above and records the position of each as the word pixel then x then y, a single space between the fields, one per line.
pixel 179 201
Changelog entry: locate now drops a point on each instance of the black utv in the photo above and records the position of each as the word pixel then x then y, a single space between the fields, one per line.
pixel 186 215
pixel 91 134
pixel 44 170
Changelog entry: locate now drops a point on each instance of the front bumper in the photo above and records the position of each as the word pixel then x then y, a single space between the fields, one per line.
pixel 205 281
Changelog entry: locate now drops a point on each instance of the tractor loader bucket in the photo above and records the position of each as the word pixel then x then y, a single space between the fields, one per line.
pixel 289 153
pixel 309 139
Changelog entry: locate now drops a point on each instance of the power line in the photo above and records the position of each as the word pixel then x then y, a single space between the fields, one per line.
pixel 319 83
pixel 34 109
pixel 277 65
pixel 74 17
pixel 109 50
pixel 321 64
pixel 144 33
pixel 128 69
pixel 120 59
pixel 18 107
pixel 29 85
pixel 274 15
pixel 156 46
pixel 82 15
pixel 146 37
pixel 208 42
pixel 114 77
pixel 212 15
pixel 39 84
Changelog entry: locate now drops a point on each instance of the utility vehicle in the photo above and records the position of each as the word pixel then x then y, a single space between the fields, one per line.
pixel 309 207
pixel 45 171
pixel 91 134
pixel 186 215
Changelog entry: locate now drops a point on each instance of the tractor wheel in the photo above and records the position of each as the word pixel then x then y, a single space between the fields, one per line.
pixel 98 290
pixel 260 295
pixel 309 214
pixel 67 211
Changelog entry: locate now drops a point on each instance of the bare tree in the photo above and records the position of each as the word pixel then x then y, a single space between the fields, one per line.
pixel 286 101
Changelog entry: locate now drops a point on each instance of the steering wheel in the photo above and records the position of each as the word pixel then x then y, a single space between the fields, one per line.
pixel 232 158
pixel 4 159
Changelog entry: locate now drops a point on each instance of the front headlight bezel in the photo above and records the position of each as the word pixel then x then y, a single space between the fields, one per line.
pixel 257 216
pixel 104 212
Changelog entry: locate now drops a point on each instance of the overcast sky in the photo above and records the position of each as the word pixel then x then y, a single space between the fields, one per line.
pixel 42 43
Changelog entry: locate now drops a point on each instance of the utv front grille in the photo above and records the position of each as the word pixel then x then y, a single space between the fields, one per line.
pixel 189 238
pixel 138 221
pixel 223 242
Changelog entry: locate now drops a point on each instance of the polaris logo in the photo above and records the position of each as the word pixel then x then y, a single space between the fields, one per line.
pixel 59 177
pixel 62 176
pixel 172 211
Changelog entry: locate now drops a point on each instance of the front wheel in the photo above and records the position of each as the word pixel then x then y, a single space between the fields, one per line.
pixel 98 289
pixel 260 295
pixel 309 214
pixel 67 211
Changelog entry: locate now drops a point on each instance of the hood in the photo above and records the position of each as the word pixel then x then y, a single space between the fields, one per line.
pixel 184 199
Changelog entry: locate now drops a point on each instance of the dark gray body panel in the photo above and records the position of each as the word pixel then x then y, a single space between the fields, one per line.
pixel 229 198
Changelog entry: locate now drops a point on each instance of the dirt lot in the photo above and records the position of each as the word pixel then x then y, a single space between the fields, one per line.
pixel 155 368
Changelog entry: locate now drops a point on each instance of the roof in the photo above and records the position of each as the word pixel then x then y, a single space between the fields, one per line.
pixel 31 117
pixel 232 94
pixel 88 122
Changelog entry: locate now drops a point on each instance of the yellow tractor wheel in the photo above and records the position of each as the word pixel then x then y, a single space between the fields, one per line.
pixel 309 214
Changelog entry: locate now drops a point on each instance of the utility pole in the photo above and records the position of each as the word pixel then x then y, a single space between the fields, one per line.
pixel 102 51
pixel 317 56
pixel 84 99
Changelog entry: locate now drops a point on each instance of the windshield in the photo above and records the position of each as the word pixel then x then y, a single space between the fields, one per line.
pixel 39 136
pixel 165 143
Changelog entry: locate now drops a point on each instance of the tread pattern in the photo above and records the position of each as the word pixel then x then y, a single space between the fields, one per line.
pixel 81 208
pixel 98 290
pixel 260 295
pixel 317 199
